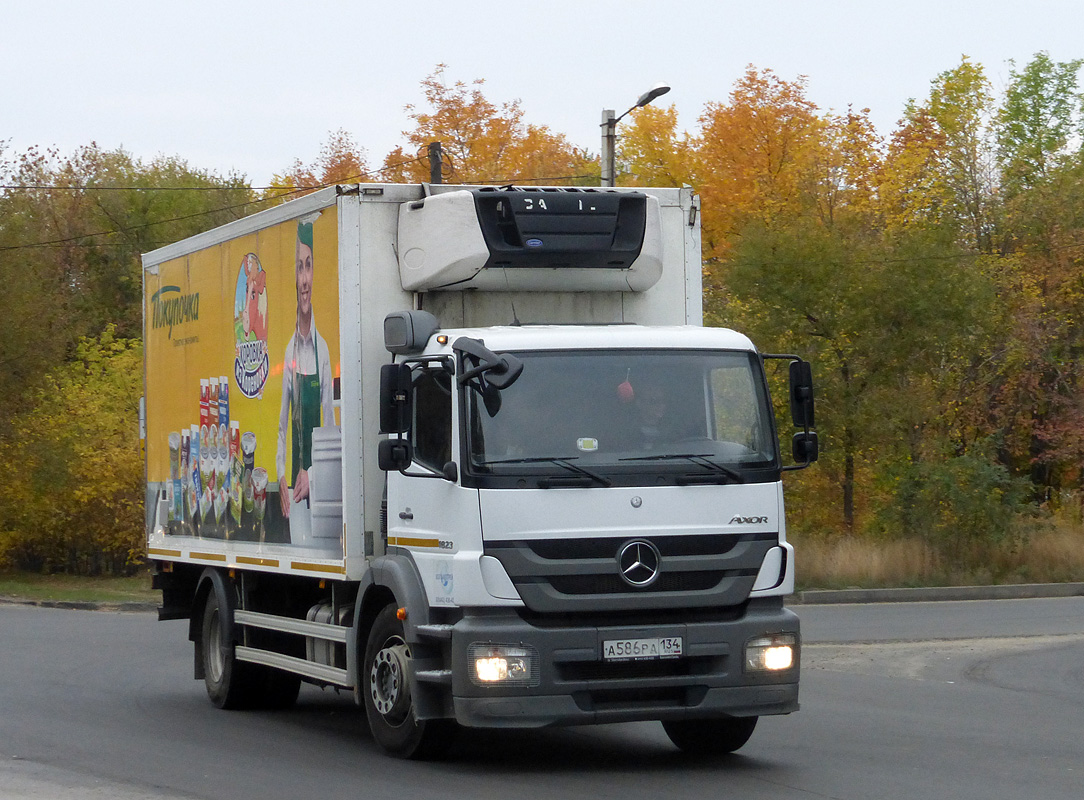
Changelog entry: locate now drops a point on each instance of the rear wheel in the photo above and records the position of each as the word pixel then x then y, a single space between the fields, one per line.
pixel 710 736
pixel 233 684
pixel 386 692
pixel 225 677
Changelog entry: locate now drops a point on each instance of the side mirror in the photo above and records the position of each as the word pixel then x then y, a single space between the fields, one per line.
pixel 395 398
pixel 500 370
pixel 394 455
pixel 506 372
pixel 801 394
pixel 805 447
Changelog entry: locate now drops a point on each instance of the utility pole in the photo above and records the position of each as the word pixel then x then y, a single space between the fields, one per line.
pixel 608 167
pixel 434 162
pixel 609 143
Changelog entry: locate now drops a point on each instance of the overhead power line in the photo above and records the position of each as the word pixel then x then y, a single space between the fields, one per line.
pixel 69 240
pixel 95 188
pixel 130 228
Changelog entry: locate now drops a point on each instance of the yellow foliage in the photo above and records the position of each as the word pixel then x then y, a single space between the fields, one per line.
pixel 753 156
pixel 911 188
pixel 649 150
pixel 77 505
pixel 483 142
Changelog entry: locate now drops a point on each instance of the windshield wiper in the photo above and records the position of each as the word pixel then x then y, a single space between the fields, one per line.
pixel 561 462
pixel 700 459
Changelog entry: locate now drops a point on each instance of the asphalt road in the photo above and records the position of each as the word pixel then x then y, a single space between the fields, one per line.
pixel 981 699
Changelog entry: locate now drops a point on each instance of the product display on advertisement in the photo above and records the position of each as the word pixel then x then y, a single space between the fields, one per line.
pixel 217 352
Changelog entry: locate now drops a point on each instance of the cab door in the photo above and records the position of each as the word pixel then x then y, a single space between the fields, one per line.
pixel 430 517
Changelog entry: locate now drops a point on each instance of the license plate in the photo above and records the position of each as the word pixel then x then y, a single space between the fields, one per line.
pixel 637 649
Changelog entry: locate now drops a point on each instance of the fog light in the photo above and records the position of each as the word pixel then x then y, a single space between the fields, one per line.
pixel 771 653
pixel 503 664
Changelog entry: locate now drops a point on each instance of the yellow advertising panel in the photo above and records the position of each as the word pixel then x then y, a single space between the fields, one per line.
pixel 242 363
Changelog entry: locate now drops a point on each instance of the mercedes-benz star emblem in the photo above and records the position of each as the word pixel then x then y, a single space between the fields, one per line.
pixel 638 563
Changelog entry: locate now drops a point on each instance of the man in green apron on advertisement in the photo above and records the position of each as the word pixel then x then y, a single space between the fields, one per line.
pixel 306 384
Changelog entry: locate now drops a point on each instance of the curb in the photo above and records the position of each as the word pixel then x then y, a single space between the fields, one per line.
pixel 810 597
pixel 936 594
pixel 79 605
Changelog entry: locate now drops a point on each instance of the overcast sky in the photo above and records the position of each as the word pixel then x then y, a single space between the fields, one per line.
pixel 250 85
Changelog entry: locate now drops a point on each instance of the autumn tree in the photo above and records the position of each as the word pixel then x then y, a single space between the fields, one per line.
pixel 340 160
pixel 75 502
pixel 842 182
pixel 650 152
pixel 888 324
pixel 482 142
pixel 1039 379
pixel 910 187
pixel 960 109
pixel 788 196
pixel 1042 114
pixel 753 156
pixel 72 230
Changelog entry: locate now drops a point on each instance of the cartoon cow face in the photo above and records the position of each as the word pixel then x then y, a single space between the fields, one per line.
pixel 254 314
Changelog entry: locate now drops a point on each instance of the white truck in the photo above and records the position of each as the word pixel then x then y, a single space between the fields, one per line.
pixel 468 453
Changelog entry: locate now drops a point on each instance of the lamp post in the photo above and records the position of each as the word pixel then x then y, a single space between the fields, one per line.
pixel 609 132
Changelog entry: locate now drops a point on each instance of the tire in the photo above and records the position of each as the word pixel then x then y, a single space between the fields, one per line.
pixel 386 693
pixel 710 736
pixel 228 685
pixel 233 684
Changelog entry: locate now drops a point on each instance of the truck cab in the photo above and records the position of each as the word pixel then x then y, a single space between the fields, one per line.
pixel 596 516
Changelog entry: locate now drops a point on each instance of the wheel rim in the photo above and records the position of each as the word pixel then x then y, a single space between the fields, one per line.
pixel 216 661
pixel 388 683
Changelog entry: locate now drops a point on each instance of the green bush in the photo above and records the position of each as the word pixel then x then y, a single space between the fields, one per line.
pixel 960 505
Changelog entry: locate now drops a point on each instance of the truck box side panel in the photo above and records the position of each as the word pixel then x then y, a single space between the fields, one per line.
pixel 230 309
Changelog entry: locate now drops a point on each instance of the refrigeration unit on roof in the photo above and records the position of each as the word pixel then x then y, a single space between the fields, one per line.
pixel 531 239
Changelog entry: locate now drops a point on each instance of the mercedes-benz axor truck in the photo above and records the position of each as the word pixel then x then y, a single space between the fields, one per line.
pixel 469 454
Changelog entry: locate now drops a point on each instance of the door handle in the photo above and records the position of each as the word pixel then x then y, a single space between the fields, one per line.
pixel 406 514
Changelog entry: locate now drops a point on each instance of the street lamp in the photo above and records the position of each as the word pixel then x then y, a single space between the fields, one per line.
pixel 609 131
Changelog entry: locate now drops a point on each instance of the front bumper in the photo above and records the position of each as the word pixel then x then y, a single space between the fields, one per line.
pixel 575 687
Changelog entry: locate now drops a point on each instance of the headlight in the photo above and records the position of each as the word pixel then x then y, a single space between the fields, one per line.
pixel 771 653
pixel 503 664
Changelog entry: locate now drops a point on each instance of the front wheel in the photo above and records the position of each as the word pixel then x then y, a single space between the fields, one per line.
pixel 386 692
pixel 710 736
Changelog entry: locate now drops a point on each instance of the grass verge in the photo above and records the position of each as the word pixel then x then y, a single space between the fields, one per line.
pixel 77 589
pixel 1049 554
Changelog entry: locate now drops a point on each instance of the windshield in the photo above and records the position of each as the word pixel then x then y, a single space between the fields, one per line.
pixel 598 417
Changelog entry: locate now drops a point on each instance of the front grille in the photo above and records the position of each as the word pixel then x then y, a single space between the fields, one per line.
pixel 714 544
pixel 583 575
pixel 636 617
pixel 613 584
